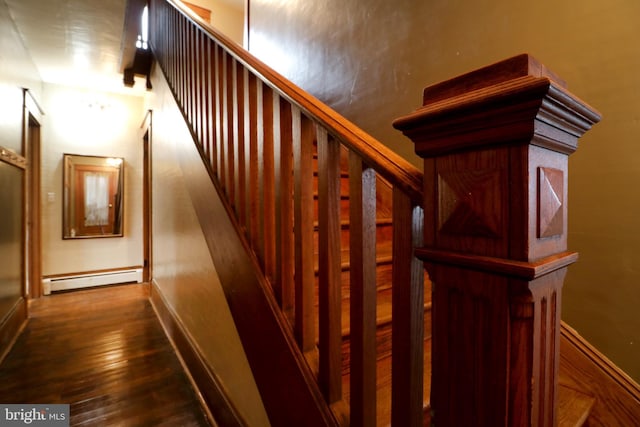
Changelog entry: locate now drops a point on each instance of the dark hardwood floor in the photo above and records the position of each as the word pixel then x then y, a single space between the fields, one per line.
pixel 104 352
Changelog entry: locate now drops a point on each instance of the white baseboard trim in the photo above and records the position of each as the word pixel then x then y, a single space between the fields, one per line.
pixel 76 281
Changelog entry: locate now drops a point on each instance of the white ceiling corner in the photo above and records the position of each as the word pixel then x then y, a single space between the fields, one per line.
pixel 75 42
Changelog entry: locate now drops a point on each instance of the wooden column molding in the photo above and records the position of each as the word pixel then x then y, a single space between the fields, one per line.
pixel 495 144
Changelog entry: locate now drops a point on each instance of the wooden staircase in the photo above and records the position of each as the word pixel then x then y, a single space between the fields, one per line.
pixel 383 280
pixel 574 406
pixel 333 237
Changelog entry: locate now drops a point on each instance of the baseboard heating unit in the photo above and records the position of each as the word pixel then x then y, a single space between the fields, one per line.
pixel 75 281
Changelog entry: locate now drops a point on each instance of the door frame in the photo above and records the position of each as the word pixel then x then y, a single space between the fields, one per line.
pixel 147 199
pixel 31 141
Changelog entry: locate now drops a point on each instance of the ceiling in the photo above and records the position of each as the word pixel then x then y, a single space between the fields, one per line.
pixel 76 42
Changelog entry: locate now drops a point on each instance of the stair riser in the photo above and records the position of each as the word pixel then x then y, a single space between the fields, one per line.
pixel 344 160
pixel 344 184
pixel 383 280
pixel 383 342
pixel 384 233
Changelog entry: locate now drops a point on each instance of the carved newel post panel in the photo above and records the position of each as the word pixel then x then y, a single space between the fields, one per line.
pixel 495 144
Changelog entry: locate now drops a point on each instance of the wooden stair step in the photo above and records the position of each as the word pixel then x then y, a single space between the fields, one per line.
pixel 344 159
pixel 383 255
pixel 383 332
pixel 574 407
pixel 383 272
pixel 382 200
pixel 383 384
pixel 344 182
pixel 383 313
pixel 344 206
pixel 384 232
pixel 383 268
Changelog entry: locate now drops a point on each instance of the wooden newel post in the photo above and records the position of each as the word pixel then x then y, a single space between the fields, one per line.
pixel 496 143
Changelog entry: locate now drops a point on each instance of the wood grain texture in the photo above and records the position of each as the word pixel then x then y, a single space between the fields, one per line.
pixel 533 248
pixel 303 137
pixel 214 116
pixel 304 311
pixel 574 407
pixel 252 166
pixel 198 86
pixel 267 178
pixel 206 100
pixel 285 257
pixel 496 143
pixel 241 172
pixel 246 220
pixel 330 266
pixel 584 368
pixel 12 325
pixel 235 119
pixel 221 123
pixel 147 200
pixel 9 156
pixel 202 12
pixel 230 134
pixel 103 352
pixel 362 249
pixel 32 146
pixel 190 96
pixel 408 314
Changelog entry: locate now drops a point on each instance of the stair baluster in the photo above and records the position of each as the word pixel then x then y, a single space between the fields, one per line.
pixel 330 266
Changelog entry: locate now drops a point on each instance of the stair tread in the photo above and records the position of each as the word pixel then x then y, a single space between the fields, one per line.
pixel 383 383
pixel 574 406
pixel 383 255
pixel 383 311
pixel 345 223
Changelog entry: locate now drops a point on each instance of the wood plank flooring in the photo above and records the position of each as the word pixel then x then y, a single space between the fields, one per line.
pixel 104 352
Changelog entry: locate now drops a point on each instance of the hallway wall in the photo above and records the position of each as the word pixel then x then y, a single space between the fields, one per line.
pixel 90 122
pixel 182 267
pixel 370 60
pixel 17 71
pixel 225 17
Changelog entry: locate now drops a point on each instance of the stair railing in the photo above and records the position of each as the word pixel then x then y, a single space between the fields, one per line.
pixel 496 144
pixel 256 132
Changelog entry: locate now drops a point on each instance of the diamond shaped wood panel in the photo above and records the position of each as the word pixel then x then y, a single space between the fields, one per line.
pixel 550 202
pixel 469 202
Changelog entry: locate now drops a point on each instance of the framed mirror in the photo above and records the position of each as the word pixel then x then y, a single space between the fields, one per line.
pixel 93 202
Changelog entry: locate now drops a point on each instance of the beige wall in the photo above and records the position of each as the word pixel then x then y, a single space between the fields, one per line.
pixel 226 16
pixel 16 71
pixel 111 127
pixel 89 122
pixel 370 59
pixel 182 267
